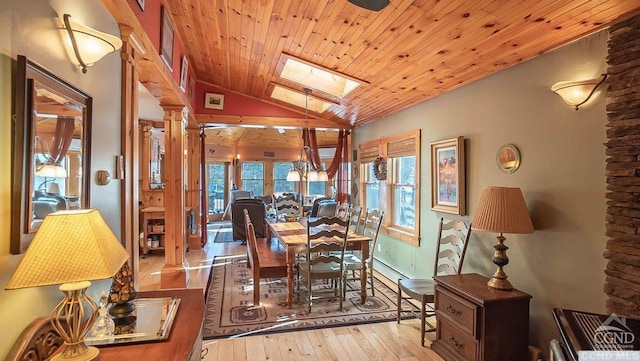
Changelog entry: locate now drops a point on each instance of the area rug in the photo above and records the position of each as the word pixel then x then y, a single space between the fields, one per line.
pixel 223 232
pixel 230 311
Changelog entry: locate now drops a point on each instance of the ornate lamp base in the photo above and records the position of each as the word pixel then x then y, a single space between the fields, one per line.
pixel 499 278
pixel 120 310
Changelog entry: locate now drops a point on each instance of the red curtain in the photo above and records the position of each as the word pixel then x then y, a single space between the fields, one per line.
pixel 339 158
pixel 62 139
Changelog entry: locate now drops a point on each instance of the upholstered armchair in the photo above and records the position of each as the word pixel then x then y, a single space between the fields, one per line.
pixel 257 213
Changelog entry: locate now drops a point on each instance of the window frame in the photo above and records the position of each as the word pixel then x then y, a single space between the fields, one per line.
pixel 242 179
pixel 387 187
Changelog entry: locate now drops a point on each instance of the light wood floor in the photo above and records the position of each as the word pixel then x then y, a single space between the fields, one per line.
pixel 385 341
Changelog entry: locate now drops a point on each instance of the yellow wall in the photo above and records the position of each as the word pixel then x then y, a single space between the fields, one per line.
pixel 561 176
pixel 30 28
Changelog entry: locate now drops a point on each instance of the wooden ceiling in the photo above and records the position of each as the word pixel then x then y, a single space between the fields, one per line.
pixel 260 137
pixel 408 52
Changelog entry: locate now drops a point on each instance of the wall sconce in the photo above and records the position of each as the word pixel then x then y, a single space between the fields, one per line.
pixel 576 93
pixel 236 160
pixel 89 45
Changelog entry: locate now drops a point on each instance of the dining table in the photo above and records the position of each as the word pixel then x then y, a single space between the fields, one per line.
pixel 292 236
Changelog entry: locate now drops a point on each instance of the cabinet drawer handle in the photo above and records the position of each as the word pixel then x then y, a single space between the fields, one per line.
pixel 453 310
pixel 456 344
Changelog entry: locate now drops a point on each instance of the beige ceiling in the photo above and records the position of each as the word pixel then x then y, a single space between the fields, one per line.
pixel 408 52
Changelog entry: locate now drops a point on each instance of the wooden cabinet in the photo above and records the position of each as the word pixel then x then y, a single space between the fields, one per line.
pixel 152 229
pixel 154 232
pixel 479 323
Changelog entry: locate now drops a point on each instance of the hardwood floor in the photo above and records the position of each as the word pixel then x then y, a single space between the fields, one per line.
pixel 385 341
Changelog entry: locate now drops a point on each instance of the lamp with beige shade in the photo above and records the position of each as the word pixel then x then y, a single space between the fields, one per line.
pixel 501 210
pixel 71 248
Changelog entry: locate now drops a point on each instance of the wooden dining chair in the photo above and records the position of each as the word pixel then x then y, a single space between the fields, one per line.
pixel 356 220
pixel 353 262
pixel 287 207
pixel 266 258
pixel 342 210
pixel 451 247
pixel 326 242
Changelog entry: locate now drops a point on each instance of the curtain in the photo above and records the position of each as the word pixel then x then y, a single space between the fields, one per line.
pixel 62 138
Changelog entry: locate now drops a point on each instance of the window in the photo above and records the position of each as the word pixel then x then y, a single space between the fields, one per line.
pixel 280 183
pixel 403 189
pixel 371 188
pixel 317 188
pixel 217 177
pixel 253 177
pixel 399 195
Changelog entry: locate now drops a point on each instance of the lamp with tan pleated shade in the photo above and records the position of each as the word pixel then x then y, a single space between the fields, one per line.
pixel 71 248
pixel 501 210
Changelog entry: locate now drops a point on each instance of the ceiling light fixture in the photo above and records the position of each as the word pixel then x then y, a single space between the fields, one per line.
pixel 374 5
pixel 89 45
pixel 576 93
pixel 301 168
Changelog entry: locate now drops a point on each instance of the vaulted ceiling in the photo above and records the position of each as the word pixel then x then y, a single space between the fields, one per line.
pixel 406 53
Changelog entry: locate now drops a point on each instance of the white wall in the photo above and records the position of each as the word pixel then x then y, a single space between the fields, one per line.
pixel 561 176
pixel 31 28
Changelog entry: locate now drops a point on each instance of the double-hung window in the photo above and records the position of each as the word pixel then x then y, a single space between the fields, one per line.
pixel 397 192
pixel 253 177
pixel 280 183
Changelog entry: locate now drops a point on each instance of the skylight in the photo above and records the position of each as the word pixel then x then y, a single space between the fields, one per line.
pixel 293 97
pixel 316 77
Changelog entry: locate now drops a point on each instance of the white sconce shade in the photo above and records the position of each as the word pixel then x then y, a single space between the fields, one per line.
pixel 322 176
pixel 52 171
pixel 293 176
pixel 312 176
pixel 89 45
pixel 576 93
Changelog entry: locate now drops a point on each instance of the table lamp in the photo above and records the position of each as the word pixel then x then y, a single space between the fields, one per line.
pixel 501 210
pixel 71 248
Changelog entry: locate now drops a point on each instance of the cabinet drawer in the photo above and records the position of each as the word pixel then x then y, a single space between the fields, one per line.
pixel 459 311
pixel 457 341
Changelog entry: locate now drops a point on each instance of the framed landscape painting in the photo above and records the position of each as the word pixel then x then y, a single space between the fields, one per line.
pixel 448 176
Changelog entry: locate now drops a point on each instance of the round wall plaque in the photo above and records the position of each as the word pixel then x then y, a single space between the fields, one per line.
pixel 508 158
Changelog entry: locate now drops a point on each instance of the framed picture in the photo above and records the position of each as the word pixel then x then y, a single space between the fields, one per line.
pixel 448 176
pixel 184 71
pixel 214 101
pixel 141 4
pixel 166 38
pixel 154 168
pixel 192 87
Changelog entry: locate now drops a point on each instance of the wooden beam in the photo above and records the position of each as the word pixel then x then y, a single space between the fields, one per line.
pixel 272 122
pixel 154 74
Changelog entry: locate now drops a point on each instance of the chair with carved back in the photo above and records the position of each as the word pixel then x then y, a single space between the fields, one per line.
pixel 326 242
pixel 286 206
pixel 38 342
pixel 353 262
pixel 451 247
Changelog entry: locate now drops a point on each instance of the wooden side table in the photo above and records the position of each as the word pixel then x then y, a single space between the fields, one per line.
pixel 479 323
pixel 185 339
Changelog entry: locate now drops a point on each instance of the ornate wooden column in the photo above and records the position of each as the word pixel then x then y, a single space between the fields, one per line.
pixel 194 180
pixel 129 143
pixel 174 274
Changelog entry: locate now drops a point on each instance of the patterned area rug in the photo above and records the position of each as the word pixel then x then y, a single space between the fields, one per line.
pixel 223 232
pixel 230 312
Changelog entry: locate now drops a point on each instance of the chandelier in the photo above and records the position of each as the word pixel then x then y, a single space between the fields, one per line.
pixel 303 168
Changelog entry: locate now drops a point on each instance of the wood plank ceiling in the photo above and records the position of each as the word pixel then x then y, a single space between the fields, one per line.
pixel 408 52
pixel 266 137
